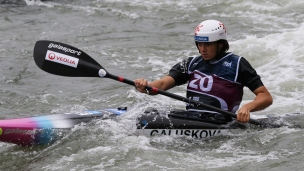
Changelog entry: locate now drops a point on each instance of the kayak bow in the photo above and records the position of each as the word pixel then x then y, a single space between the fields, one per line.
pixel 43 130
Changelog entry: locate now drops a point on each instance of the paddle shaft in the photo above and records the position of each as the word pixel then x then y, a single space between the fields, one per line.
pixel 177 97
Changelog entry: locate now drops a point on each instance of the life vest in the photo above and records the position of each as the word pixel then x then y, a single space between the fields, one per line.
pixel 215 83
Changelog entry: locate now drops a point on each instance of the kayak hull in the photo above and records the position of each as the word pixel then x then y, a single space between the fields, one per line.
pixel 45 130
pixel 180 123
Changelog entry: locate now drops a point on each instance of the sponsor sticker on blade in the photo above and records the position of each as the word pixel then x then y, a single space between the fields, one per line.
pixel 61 58
pixel 63 48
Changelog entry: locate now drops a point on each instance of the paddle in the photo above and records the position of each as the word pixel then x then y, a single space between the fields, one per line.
pixel 65 60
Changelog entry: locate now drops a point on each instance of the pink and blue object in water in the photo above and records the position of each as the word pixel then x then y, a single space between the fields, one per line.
pixel 43 130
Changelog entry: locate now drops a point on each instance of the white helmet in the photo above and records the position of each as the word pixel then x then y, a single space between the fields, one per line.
pixel 210 31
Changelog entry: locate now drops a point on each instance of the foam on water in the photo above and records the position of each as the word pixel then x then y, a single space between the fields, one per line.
pixel 136 38
pixel 278 59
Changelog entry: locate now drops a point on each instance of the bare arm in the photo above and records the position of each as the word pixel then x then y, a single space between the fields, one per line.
pixel 164 83
pixel 262 100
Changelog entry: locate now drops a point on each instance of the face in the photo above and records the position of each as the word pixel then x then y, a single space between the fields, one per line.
pixel 208 50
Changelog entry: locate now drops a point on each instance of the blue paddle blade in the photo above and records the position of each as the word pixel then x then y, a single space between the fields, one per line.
pixel 64 60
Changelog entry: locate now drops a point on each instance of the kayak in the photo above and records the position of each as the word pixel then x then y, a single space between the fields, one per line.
pixel 155 123
pixel 47 129
pixel 191 124
pixel 44 130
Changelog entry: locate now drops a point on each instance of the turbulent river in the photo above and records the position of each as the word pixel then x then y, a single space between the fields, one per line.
pixel 144 38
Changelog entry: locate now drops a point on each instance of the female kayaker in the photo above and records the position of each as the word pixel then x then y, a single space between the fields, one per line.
pixel 215 77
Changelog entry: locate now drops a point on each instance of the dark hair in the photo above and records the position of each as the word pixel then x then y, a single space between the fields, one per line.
pixel 225 43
